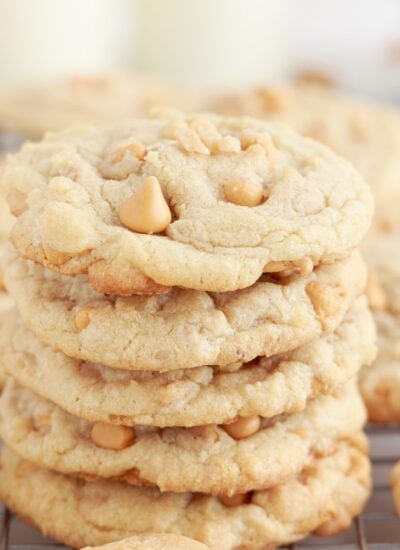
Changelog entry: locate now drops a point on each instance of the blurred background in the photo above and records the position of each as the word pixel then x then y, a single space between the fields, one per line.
pixel 205 44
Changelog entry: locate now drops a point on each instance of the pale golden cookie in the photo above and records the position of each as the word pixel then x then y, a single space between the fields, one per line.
pixel 6 220
pixel 188 397
pixel 152 542
pixel 366 133
pixel 323 499
pixel 395 479
pixel 183 328
pixel 80 99
pixel 235 458
pixel 206 203
pixel 380 382
pixel 6 305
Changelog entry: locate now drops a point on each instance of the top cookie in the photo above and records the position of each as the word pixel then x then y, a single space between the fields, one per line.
pixel 206 203
pixel 366 133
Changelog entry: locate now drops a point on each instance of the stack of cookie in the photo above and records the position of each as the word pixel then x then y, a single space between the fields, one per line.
pixel 190 325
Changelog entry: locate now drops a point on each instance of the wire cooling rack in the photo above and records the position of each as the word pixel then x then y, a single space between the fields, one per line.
pixel 378 528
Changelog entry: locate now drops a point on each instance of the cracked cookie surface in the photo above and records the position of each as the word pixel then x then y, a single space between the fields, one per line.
pixel 183 328
pixel 323 499
pixel 190 397
pixel 245 197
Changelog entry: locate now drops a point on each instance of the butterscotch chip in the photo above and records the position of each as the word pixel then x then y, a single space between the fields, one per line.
pixel 133 478
pixel 250 139
pixel 136 148
pixel 207 132
pixel 82 314
pixel 112 437
pixel 82 318
pixel 208 431
pixel 243 427
pixel 234 500
pixel 116 280
pixel 54 257
pixel 227 144
pixel 190 141
pixel 277 267
pixel 244 193
pixel 325 298
pixel 147 210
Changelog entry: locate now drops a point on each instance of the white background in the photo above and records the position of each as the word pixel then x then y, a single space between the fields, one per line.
pixel 203 43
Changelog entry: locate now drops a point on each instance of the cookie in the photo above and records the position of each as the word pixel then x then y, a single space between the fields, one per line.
pixel 381 252
pixel 367 134
pixel 188 397
pixel 152 542
pixel 5 306
pixel 323 498
pixel 249 453
pixel 6 220
pixel 380 382
pixel 395 479
pixel 79 100
pixel 205 203
pixel 183 328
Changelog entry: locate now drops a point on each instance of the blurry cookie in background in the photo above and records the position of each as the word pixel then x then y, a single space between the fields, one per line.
pixel 6 301
pixel 366 133
pixel 6 219
pixel 380 382
pixel 28 112
pixel 6 223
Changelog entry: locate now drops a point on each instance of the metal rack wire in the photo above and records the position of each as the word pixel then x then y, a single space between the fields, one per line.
pixel 378 528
